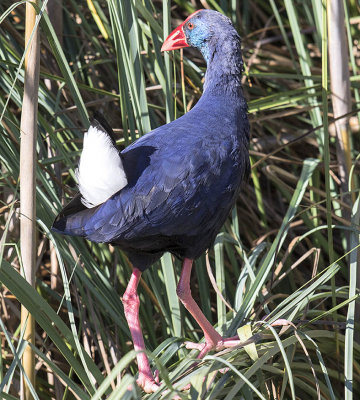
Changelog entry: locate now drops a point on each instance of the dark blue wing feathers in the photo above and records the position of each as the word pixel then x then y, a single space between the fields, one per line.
pixel 183 179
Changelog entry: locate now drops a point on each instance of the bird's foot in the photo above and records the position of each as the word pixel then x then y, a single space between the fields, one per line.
pixel 151 385
pixel 204 348
pixel 147 384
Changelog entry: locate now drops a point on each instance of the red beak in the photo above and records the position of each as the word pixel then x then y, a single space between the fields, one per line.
pixel 176 39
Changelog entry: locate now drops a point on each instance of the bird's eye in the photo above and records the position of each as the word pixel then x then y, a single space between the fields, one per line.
pixel 190 25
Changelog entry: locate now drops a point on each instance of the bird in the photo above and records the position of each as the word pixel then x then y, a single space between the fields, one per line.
pixel 173 188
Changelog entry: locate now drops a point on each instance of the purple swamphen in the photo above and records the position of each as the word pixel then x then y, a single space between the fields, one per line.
pixel 172 189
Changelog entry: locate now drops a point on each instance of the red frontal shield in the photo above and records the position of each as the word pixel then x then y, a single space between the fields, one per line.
pixel 176 39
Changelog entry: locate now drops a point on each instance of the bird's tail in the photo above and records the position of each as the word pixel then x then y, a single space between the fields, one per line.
pixel 100 173
pixel 72 218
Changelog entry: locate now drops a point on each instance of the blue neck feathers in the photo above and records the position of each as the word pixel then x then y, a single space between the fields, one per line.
pixel 224 65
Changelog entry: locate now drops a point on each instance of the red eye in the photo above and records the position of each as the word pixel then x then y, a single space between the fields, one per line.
pixel 190 25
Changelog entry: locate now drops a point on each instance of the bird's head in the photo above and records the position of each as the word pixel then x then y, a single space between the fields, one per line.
pixel 198 30
pixel 214 35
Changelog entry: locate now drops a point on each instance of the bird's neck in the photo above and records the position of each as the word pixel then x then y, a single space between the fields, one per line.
pixel 224 68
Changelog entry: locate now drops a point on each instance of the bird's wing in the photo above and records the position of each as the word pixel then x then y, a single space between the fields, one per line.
pixel 179 187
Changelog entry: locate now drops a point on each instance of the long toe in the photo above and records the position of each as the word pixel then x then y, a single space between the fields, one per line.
pixel 204 348
pixel 147 384
pixel 196 346
pixel 232 342
pixel 208 347
pixel 157 376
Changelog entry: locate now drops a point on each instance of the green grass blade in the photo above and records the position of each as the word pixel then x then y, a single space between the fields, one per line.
pixel 308 168
pixel 305 65
pixel 220 282
pixel 350 318
pixel 65 69
pixel 46 317
pixel 171 283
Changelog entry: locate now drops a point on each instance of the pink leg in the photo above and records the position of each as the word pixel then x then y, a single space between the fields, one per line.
pixel 213 339
pixel 131 307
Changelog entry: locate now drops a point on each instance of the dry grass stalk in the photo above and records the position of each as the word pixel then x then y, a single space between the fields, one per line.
pixel 28 129
pixel 341 100
pixel 340 86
